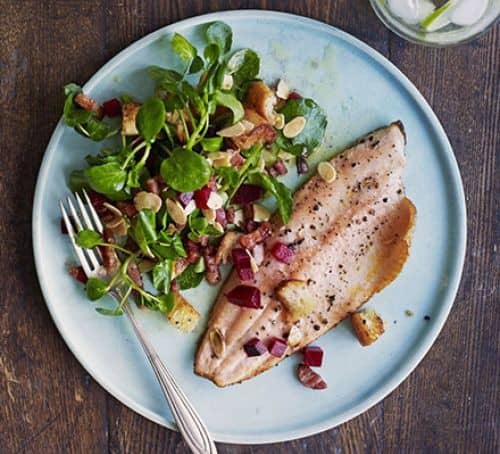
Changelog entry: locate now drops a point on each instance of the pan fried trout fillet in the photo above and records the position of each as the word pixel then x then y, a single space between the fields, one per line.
pixel 351 239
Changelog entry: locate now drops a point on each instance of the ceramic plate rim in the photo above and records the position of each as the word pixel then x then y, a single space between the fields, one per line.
pixel 437 323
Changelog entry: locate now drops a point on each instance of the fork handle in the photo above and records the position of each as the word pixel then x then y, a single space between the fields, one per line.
pixel 190 425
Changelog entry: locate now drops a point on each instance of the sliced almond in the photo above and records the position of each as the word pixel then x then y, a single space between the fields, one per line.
pixel 235 130
pixel 218 227
pixel 295 336
pixel 282 90
pixel 147 200
pixel 215 201
pixel 190 207
pixel 279 121
pixel 113 209
pixel 176 212
pixel 217 341
pixel 227 244
pixel 227 82
pixel 253 263
pixel 220 158
pixel 294 127
pixel 260 213
pixel 327 172
pixel 209 215
pixel 248 125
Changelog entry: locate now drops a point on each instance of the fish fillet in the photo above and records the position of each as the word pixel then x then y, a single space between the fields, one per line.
pixel 351 238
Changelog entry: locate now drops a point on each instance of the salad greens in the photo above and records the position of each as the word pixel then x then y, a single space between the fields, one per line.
pixel 165 191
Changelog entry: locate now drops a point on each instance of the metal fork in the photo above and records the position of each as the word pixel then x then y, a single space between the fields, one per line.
pixel 188 421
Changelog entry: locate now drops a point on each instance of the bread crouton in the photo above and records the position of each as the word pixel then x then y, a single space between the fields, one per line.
pixel 262 99
pixel 295 296
pixel 183 316
pixel 129 113
pixel 368 326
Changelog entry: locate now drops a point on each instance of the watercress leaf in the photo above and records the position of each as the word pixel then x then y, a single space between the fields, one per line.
pixel 220 34
pixel 185 170
pixel 196 65
pixel 183 48
pixel 107 178
pixel 230 177
pixel 151 118
pixel 72 89
pixel 189 278
pixel 111 312
pixel 146 220
pixel 162 272
pixel 281 193
pixel 211 143
pixel 178 246
pixel 314 130
pixel 211 53
pixel 244 65
pixel 72 114
pixel 133 177
pixel 97 130
pixel 166 302
pixel 96 288
pixel 77 180
pixel 88 239
pixel 230 101
pixel 164 76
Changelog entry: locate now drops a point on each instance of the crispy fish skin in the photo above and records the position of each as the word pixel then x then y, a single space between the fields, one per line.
pixel 352 238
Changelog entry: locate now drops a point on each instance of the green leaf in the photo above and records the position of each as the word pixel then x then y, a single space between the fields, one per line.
pixel 189 278
pixel 161 276
pixel 72 89
pixel 72 114
pixel 230 177
pixel 96 288
pixel 96 129
pixel 88 239
pixel 77 180
pixel 151 118
pixel 185 170
pixel 183 48
pixel 244 65
pixel 211 53
pixel 111 312
pixel 230 101
pixel 314 130
pixel 146 219
pixel 107 178
pixel 164 76
pixel 196 65
pixel 281 193
pixel 166 302
pixel 220 34
pixel 211 143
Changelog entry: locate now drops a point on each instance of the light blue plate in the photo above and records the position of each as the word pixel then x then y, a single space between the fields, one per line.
pixel 361 91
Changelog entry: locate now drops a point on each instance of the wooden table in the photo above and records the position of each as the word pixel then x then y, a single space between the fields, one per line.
pixel 49 404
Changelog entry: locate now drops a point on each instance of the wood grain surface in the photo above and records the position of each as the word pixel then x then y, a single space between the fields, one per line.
pixel 49 404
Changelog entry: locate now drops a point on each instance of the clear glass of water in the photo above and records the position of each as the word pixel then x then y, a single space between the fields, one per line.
pixel 438 23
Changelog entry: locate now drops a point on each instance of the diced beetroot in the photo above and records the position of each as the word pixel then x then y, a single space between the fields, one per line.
pixel 78 273
pixel 201 197
pixel 112 108
pixel 241 261
pixel 247 193
pixel 294 95
pixel 220 217
pixel 277 347
pixel 255 347
pixel 313 356
pixel 282 252
pixel 245 296
pixel 185 197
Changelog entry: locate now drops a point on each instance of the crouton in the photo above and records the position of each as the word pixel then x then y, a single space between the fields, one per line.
pixel 129 112
pixel 262 99
pixel 367 325
pixel 183 316
pixel 296 298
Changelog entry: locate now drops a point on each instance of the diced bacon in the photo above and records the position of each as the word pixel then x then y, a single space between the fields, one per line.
pixel 309 378
pixel 261 233
pixel 78 273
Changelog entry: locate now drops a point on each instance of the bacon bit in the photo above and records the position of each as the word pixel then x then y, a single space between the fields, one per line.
pixel 112 108
pixel 279 168
pixel 89 104
pixel 193 251
pixel 230 215
pixel 127 208
pixel 263 134
pixel 262 232
pixel 152 185
pixel 110 260
pixel 174 286
pixel 97 200
pixel 134 274
pixel 212 273
pixel 309 378
pixel 78 273
pixel 220 217
pixel 237 160
pixel 250 226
